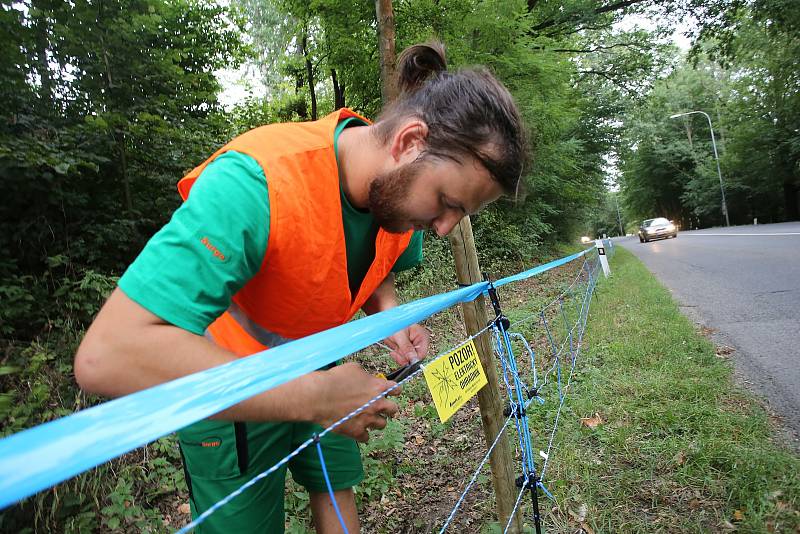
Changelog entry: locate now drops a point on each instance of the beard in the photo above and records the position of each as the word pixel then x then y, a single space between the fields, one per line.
pixel 388 193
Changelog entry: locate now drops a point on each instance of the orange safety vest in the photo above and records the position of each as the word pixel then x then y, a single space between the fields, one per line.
pixel 302 286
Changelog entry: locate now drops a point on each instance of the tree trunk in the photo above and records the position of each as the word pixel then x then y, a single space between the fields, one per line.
pixel 338 91
pixel 119 134
pixel 385 16
pixel 310 78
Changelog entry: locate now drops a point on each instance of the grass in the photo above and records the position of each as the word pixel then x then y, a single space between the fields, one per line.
pixel 680 448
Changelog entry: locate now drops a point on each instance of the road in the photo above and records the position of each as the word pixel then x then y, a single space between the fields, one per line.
pixel 743 283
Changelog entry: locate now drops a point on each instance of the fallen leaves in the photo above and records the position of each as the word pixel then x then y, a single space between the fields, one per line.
pixel 724 351
pixel 184 508
pixel 592 422
pixel 579 516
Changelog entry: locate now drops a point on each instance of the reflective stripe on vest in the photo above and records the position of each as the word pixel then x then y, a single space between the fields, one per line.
pixel 253 329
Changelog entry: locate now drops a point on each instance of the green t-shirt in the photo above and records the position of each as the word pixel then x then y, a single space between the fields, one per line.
pixel 215 243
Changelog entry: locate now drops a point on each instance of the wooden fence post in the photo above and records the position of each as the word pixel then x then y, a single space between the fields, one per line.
pixel 462 244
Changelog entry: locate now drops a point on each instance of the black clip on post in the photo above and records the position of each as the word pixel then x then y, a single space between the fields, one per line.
pixel 500 320
pixel 532 483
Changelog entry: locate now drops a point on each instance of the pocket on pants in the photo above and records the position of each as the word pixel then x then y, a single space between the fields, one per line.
pixel 214 450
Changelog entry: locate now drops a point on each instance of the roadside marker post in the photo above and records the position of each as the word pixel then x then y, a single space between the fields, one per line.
pixel 601 252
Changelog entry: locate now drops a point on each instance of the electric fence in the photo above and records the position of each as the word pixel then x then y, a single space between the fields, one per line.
pixel 528 376
pixel 519 393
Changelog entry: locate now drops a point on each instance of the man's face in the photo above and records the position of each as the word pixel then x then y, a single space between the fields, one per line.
pixel 430 193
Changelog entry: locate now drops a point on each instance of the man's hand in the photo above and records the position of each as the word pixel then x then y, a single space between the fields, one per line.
pixel 409 344
pixel 128 349
pixel 345 388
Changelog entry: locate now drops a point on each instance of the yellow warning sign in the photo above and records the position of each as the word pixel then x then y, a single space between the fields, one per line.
pixel 454 378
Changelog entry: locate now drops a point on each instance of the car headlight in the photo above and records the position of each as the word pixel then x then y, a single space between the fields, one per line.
pixel 670 227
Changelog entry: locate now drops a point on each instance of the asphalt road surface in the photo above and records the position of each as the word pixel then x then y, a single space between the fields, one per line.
pixel 744 283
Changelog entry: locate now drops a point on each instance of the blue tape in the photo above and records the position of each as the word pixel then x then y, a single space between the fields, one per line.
pixel 40 457
pixel 35 459
pixel 540 269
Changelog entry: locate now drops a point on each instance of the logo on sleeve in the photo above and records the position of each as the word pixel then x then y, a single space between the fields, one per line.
pixel 214 250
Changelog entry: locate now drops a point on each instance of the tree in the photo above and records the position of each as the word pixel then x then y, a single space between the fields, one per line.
pixel 130 98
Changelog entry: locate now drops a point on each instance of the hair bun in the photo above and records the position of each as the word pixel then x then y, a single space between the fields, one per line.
pixel 418 63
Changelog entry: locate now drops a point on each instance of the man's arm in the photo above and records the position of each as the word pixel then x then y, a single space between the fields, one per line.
pixel 409 344
pixel 128 349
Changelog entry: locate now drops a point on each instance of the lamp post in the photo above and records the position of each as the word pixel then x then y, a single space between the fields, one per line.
pixel 716 156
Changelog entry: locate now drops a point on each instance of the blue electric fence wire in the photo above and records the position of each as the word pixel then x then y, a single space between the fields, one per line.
pixel 475 476
pixel 582 322
pixel 509 367
pixel 577 330
pixel 532 354
pixel 514 510
pixel 515 406
pixel 575 281
pixel 566 327
pixel 228 498
pixel 328 484
pixel 520 393
pixel 512 403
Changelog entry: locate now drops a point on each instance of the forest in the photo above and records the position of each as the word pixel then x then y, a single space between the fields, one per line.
pixel 107 103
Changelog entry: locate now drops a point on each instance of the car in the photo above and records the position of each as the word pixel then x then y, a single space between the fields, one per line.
pixel 658 228
pixel 585 240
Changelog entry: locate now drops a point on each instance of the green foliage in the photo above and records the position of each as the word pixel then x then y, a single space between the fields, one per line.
pixel 108 104
pixel 89 156
pixel 379 470
pixel 745 77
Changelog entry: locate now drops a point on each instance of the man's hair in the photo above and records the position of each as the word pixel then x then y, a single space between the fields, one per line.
pixel 468 113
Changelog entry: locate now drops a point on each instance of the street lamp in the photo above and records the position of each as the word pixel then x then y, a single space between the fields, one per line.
pixel 716 156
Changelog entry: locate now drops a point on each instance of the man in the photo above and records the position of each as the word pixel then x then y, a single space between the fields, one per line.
pixel 288 230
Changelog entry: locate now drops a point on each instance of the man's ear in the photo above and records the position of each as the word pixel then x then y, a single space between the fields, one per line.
pixel 409 140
